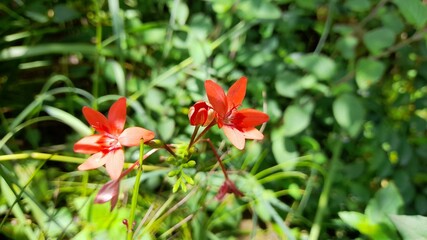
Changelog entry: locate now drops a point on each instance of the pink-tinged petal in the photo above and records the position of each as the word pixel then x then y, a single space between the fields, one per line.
pixel 114 163
pixel 249 118
pixel 94 161
pixel 107 192
pixel 88 144
pixel 253 133
pixel 117 115
pixel 96 120
pixel 237 93
pixel 217 97
pixel 235 136
pixel 133 135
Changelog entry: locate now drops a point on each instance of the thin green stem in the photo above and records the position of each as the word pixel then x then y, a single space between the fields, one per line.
pixel 41 156
pixel 324 196
pixel 135 192
pixel 60 158
pixel 193 136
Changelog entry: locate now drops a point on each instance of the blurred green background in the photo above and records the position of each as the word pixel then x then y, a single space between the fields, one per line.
pixel 344 83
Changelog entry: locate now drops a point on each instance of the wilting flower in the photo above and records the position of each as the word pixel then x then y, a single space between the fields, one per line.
pixel 237 125
pixel 228 187
pixel 201 114
pixel 106 146
pixel 109 192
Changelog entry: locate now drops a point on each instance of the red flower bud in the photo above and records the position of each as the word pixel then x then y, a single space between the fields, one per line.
pixel 201 113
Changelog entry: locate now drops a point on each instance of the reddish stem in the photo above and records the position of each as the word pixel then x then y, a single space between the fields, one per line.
pixel 218 158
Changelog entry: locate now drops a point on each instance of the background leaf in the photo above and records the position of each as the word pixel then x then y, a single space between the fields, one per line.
pixel 415 12
pixel 368 72
pixel 411 227
pixel 378 39
pixel 349 113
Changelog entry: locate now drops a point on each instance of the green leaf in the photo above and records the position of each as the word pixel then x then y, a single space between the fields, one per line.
pixel 297 118
pixel 411 227
pixel 378 39
pixel 320 66
pixel 63 13
pixel 354 219
pixel 198 48
pixel 166 128
pixel 368 72
pixel 114 72
pixel 386 201
pixel 346 45
pixel 180 10
pixel 154 35
pixel 258 9
pixel 284 149
pixel 68 119
pixel 358 5
pixel 363 224
pixel 414 11
pixel 349 113
pixel 287 84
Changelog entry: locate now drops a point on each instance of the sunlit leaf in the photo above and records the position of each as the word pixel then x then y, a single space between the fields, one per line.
pixel 411 227
pixel 368 72
pixel 297 118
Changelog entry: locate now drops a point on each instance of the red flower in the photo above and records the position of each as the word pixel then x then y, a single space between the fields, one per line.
pixel 106 146
pixel 237 125
pixel 201 113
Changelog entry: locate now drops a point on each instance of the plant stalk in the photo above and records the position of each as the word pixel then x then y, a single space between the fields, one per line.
pixel 135 192
pixel 324 196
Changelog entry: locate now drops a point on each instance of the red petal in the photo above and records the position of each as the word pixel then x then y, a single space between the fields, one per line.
pixel 235 136
pixel 253 133
pixel 96 120
pixel 216 97
pixel 114 163
pixel 237 93
pixel 117 115
pixel 133 135
pixel 249 118
pixel 94 161
pixel 88 144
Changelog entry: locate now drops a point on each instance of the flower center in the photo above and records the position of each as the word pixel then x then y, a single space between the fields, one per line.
pixel 110 142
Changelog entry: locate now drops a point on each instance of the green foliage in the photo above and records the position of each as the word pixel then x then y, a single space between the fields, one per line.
pixel 337 74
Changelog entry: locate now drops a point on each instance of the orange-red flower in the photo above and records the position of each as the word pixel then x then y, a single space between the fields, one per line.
pixel 106 146
pixel 237 125
pixel 201 114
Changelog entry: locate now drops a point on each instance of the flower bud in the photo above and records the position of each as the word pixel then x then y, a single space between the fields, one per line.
pixel 201 114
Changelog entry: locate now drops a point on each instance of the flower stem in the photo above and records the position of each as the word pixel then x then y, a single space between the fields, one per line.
pixel 135 192
pixel 324 196
pixel 218 158
pixel 193 136
pixel 201 134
